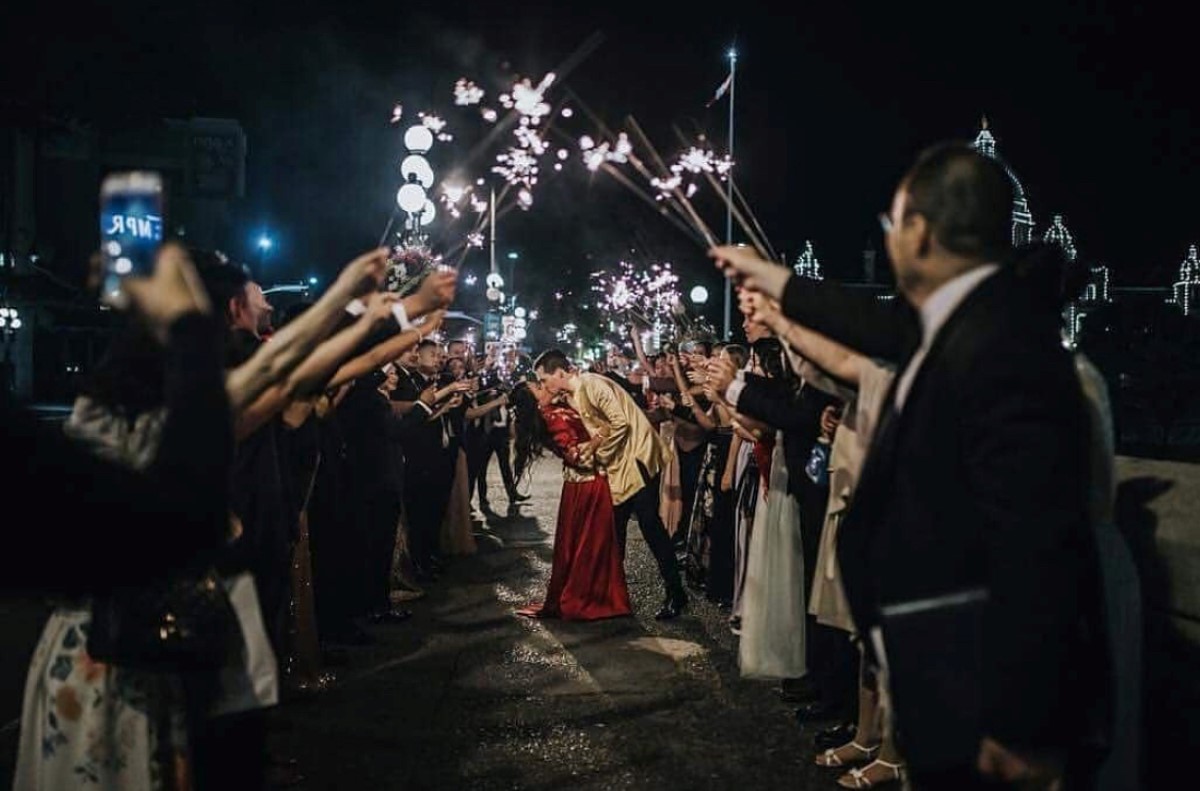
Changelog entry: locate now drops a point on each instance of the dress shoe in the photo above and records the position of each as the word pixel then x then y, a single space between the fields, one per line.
pixel 672 608
pixel 815 711
pixel 835 736
pixel 394 615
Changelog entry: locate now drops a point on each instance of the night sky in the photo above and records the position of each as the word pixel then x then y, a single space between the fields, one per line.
pixel 1092 104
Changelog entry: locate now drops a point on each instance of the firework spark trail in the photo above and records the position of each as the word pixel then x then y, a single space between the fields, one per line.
pixel 762 245
pixel 699 223
pixel 681 219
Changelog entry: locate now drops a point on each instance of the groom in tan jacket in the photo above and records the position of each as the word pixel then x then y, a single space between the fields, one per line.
pixel 633 457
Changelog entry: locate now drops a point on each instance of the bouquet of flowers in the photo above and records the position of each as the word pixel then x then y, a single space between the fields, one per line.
pixel 407 266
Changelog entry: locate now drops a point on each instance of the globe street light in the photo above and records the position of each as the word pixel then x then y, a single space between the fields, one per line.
pixel 699 295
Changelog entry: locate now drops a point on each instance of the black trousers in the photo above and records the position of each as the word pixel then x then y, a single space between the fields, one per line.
pixel 644 505
pixel 427 482
pixel 496 443
pixel 381 514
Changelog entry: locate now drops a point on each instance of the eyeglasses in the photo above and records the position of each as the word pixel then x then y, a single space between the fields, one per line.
pixel 885 222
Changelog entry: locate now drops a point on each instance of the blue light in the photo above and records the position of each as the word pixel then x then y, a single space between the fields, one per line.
pixel 312 281
pixel 265 243
pixel 514 256
pixel 732 53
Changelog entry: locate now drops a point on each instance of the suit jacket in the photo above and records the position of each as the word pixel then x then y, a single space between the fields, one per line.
pixel 981 480
pixel 423 442
pixel 797 413
pixel 603 404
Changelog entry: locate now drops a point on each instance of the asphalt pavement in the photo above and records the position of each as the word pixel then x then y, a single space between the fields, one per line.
pixel 466 694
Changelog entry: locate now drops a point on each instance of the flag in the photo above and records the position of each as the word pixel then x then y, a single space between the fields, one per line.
pixel 721 90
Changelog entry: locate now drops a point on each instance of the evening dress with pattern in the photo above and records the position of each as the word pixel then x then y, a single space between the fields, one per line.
pixel 587 579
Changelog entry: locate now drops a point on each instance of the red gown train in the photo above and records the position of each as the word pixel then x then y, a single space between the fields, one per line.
pixel 587 579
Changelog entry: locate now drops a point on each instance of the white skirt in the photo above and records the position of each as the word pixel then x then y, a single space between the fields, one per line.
pixel 773 607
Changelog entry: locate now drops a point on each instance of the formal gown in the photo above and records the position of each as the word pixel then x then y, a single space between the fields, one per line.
pixel 587 578
pixel 773 603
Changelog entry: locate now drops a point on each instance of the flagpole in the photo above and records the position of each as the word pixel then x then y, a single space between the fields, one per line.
pixel 729 190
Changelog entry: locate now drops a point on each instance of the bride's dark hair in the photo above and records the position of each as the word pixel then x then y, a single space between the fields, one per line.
pixel 532 436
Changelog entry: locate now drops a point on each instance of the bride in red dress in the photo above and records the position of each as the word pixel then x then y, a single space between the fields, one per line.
pixel 587 578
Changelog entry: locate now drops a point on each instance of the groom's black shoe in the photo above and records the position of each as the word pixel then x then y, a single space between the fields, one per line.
pixel 672 608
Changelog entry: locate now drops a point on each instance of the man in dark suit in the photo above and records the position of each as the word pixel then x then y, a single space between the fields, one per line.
pixel 977 475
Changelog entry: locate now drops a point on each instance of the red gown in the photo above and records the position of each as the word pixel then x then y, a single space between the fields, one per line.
pixel 587 578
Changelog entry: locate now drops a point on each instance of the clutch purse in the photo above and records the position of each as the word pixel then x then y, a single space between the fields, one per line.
pixel 182 624
pixel 817 468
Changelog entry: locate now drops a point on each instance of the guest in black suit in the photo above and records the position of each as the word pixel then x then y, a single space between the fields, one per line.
pixel 977 478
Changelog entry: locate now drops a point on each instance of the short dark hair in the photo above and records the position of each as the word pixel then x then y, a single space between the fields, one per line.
pixel 223 279
pixel 966 197
pixel 426 343
pixel 552 361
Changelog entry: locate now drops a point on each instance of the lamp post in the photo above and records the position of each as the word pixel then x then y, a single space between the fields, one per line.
pixel 264 244
pixel 729 189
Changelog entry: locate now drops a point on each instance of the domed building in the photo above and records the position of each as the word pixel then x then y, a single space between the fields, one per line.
pixel 1186 291
pixel 1022 218
pixel 807 265
pixel 1058 234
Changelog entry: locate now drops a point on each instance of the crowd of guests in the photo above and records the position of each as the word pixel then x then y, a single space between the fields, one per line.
pixel 317 468
pixel 904 506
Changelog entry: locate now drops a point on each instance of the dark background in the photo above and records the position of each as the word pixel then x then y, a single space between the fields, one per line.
pixel 1091 103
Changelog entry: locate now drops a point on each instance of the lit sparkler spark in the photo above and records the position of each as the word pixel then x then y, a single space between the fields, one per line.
pixel 467 93
pixel 596 155
pixel 567 112
pixel 479 205
pixel 692 189
pixel 397 112
pixel 527 99
pixel 475 239
pixel 452 195
pixel 666 186
pixel 437 125
pixel 563 153
pixel 525 199
pixel 586 143
pixel 648 293
pixel 488 114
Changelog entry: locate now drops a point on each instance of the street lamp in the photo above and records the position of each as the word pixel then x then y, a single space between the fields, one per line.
pixel 699 295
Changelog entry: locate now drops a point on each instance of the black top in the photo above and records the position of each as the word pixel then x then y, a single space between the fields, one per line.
pixel 85 524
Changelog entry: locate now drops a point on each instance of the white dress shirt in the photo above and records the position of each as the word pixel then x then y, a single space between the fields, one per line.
pixel 937 309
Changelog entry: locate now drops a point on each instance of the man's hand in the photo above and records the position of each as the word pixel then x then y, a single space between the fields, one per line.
pixel 429 395
pixel 379 307
pixel 720 374
pixel 830 418
pixel 743 266
pixel 999 763
pixel 697 376
pixel 436 291
pixel 172 291
pixel 666 401
pixel 362 275
pixel 760 309
pixel 727 479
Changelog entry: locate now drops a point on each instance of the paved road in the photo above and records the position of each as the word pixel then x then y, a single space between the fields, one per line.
pixel 468 695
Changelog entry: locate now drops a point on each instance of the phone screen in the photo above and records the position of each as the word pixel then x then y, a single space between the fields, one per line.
pixel 131 227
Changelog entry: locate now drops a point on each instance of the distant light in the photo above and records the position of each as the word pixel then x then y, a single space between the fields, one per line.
pixel 124 266
pixel 312 281
pixel 519 313
pixel 411 198
pixel 265 243
pixel 732 53
pixel 699 295
pixel 513 256
pixel 567 112
pixel 470 280
pixel 418 139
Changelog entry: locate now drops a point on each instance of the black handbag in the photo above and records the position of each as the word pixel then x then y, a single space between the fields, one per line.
pixel 182 624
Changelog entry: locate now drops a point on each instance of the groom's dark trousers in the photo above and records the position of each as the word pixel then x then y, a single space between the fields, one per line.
pixel 644 505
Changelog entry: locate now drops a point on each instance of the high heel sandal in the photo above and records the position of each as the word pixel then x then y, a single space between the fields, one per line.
pixel 857 778
pixel 832 758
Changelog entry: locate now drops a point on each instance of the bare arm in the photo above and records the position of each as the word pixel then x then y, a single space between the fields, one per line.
pixel 288 348
pixel 483 409
pixel 386 352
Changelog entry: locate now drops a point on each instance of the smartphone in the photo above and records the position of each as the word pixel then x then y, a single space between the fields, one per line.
pixel 131 228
